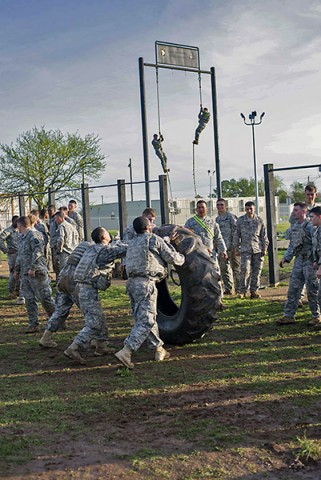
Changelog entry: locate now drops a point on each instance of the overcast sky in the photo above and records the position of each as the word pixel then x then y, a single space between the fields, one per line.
pixel 73 65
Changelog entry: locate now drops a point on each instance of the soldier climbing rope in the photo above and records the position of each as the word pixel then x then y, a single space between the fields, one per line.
pixel 203 119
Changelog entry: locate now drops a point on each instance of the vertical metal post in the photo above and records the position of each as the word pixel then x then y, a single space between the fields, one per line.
pixel 255 173
pixel 122 209
pixel 215 125
pixel 51 197
pixel 210 210
pixel 131 179
pixel 144 128
pixel 270 223
pixel 86 210
pixel 22 204
pixel 12 206
pixel 163 197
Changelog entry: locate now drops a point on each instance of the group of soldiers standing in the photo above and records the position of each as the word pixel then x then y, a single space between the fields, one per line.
pixel 305 247
pixel 34 243
pixel 238 245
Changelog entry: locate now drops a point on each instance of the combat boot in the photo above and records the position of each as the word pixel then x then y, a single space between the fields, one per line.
pixel 102 347
pixel 315 322
pixel 195 142
pixel 285 320
pixel 46 340
pixel 125 356
pixel 161 354
pixel 32 329
pixel 73 353
pixel 255 295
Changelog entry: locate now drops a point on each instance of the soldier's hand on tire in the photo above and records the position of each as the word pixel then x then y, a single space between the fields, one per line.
pixel 174 237
pixel 225 256
pixel 319 272
pixel 31 273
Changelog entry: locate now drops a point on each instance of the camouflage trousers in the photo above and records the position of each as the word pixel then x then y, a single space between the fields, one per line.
pixel 55 261
pixel 95 324
pixel 199 129
pixel 250 271
pixel 230 271
pixel 302 273
pixel 143 296
pixel 63 304
pixel 63 257
pixel 161 155
pixel 34 289
pixel 13 285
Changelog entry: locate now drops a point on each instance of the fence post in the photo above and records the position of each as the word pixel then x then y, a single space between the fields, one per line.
pixel 22 204
pixel 51 197
pixel 163 199
pixel 122 209
pixel 86 210
pixel 270 223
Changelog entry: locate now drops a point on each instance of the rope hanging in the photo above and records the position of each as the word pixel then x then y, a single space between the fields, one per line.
pixel 200 88
pixel 159 129
pixel 194 179
pixel 158 103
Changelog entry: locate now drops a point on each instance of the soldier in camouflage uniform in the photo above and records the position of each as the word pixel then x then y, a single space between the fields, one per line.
pixel 209 231
pixel 9 239
pixel 72 206
pixel 251 242
pixel 146 259
pixel 66 297
pixel 53 232
pixel 203 119
pixel 67 238
pixel 230 267
pixel 93 273
pixel 31 268
pixel 157 144
pixel 130 233
pixel 300 246
pixel 315 218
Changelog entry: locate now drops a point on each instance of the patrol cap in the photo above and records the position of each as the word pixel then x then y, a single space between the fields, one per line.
pixel 140 224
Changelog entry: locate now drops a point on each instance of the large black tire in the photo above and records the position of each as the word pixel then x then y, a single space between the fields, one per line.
pixel 200 296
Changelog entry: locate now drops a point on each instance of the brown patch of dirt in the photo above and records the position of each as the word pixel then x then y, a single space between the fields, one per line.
pixel 229 434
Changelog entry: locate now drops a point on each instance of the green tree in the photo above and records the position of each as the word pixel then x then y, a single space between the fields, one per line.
pixel 42 159
pixel 297 192
pixel 243 187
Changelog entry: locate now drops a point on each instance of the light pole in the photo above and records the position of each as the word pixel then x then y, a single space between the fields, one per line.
pixel 253 123
pixel 210 174
pixel 131 179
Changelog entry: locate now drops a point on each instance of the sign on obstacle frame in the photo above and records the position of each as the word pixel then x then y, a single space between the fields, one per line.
pixel 177 55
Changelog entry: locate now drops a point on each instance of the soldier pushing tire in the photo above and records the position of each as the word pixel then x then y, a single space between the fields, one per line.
pixel 200 291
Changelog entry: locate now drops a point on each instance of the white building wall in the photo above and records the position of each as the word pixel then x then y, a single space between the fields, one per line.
pixel 181 209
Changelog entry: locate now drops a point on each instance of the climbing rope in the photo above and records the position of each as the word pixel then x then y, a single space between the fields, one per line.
pixel 158 102
pixel 200 88
pixel 194 178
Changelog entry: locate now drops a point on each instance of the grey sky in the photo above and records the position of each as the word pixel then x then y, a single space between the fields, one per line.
pixel 73 65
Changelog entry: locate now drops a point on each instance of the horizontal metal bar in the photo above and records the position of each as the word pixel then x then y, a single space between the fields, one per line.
pixel 184 69
pixel 294 168
pixel 158 42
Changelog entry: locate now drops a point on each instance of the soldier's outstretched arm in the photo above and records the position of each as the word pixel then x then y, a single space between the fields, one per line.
pixel 170 255
pixel 109 253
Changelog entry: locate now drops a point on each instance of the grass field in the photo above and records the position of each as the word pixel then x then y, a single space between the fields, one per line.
pixel 241 403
